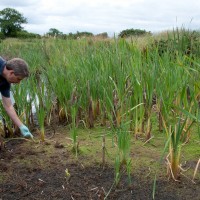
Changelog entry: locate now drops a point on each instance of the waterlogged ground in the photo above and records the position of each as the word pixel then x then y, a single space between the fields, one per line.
pixel 32 170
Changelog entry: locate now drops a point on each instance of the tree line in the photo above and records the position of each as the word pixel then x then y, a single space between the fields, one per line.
pixel 11 22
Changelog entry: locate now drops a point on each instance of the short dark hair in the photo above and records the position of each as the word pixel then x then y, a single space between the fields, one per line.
pixel 19 66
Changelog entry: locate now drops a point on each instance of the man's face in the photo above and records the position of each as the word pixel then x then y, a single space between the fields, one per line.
pixel 12 78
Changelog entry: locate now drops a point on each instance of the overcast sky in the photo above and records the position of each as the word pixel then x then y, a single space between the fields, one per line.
pixel 111 16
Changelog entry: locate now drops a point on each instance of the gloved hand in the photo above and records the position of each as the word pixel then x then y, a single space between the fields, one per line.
pixel 25 131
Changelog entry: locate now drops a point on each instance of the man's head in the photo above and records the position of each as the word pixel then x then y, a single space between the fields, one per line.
pixel 15 70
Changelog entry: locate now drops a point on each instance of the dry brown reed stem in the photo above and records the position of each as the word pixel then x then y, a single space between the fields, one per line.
pixel 196 168
pixel 170 169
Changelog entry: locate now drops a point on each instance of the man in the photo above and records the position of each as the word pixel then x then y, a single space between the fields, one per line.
pixel 12 71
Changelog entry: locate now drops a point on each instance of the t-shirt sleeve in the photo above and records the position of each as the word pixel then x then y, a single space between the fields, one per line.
pixel 5 93
pixel 5 90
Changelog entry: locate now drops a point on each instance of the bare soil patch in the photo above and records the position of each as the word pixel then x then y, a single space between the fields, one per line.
pixel 38 171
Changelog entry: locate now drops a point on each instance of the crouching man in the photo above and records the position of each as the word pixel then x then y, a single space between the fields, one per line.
pixel 12 71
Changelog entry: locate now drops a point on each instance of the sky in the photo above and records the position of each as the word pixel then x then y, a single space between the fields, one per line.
pixel 111 16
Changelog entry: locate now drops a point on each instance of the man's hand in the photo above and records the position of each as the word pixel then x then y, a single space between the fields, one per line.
pixel 25 131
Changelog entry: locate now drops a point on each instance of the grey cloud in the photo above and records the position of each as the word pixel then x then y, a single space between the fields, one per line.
pixel 19 3
pixel 74 16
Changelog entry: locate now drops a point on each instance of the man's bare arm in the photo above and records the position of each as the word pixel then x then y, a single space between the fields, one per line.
pixel 7 104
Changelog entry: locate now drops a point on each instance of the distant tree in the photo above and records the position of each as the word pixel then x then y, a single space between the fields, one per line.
pixel 71 36
pixel 26 35
pixel 11 21
pixel 2 36
pixel 83 34
pixel 78 35
pixel 132 32
pixel 54 32
pixel 102 35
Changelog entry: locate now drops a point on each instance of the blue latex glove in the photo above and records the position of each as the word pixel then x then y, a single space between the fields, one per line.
pixel 25 131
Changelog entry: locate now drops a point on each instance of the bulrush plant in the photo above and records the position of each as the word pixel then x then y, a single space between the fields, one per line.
pixel 137 116
pixel 62 89
pixel 123 153
pixel 90 118
pixel 118 100
pixel 59 65
pixel 93 85
pixel 7 123
pixel 149 79
pixel 121 133
pixel 74 110
pixel 176 126
pixel 74 132
pixel 40 111
pixel 166 92
pixel 96 108
pixel 187 102
pixel 173 159
pixel 121 130
pixel 136 92
pixel 23 102
pixel 43 102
